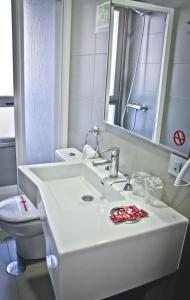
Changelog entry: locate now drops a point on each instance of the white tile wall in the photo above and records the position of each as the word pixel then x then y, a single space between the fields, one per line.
pixel 180 85
pixel 182 14
pixel 147 78
pixel 80 120
pixel 100 77
pixel 178 97
pixel 88 72
pixel 97 113
pixel 83 27
pixel 82 75
pixel 152 46
pixel 183 106
pixel 157 24
pixel 102 42
pixel 182 46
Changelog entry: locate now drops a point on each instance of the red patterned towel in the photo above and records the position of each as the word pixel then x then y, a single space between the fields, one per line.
pixel 127 213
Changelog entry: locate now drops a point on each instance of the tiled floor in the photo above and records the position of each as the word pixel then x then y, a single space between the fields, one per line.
pixel 34 284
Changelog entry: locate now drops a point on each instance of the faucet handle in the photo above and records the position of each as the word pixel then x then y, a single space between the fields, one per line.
pixel 114 151
pixel 128 185
pixel 114 148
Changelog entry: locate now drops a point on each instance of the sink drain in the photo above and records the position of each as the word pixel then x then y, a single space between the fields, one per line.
pixel 87 198
pixel 72 154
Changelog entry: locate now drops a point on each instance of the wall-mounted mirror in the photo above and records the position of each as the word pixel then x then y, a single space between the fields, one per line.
pixel 139 47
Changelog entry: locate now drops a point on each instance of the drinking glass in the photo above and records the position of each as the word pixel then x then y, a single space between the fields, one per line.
pixel 153 191
pixel 138 182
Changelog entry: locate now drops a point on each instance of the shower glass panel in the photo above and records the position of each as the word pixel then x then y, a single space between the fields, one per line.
pixel 136 64
pixel 39 63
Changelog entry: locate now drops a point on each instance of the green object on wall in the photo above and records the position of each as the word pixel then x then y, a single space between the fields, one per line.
pixel 102 16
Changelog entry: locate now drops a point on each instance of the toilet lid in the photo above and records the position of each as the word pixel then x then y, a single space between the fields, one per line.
pixel 18 209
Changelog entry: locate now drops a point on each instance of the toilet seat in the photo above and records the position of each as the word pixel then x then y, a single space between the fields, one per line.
pixel 18 209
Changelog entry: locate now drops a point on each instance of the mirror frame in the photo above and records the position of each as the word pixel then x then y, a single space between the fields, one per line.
pixel 163 73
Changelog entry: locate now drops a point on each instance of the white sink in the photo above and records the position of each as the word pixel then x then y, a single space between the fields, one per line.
pixel 88 256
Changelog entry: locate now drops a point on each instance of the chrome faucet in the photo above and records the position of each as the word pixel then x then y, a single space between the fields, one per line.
pixel 128 185
pixel 113 161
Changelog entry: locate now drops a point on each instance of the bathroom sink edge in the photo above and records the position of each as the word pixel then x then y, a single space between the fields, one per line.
pixel 156 233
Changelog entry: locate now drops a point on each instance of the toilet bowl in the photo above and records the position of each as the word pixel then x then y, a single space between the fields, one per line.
pixel 19 218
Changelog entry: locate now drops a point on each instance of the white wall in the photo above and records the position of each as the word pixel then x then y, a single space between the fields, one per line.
pixel 88 72
pixel 87 92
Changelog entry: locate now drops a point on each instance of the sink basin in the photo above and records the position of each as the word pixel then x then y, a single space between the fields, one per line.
pixel 88 256
pixel 69 184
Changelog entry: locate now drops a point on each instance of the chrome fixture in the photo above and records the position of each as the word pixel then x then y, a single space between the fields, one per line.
pixel 113 161
pixel 125 111
pixel 138 106
pixel 118 181
pixel 100 162
pixel 139 12
pixel 16 268
pixel 128 186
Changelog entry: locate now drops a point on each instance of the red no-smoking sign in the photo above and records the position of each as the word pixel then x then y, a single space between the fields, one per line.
pixel 179 138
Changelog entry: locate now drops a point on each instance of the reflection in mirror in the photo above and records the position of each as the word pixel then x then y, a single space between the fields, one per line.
pixel 135 69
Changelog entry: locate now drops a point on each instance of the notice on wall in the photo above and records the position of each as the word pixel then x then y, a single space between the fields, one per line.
pixel 179 138
pixel 102 17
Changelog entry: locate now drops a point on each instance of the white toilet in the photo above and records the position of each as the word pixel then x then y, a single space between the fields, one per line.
pixel 19 217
